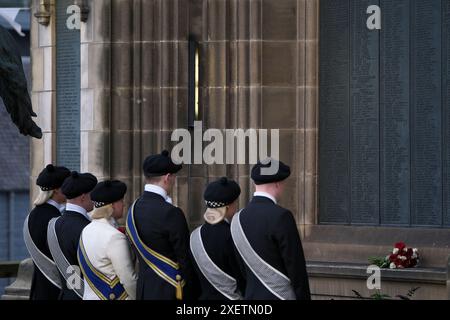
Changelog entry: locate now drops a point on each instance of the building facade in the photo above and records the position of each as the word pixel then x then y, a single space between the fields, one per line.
pixel 112 92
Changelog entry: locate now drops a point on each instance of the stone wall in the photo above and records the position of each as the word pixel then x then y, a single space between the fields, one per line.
pixel 259 70
pixel 259 62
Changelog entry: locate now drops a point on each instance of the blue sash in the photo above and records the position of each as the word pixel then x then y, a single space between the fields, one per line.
pixel 162 266
pixel 104 288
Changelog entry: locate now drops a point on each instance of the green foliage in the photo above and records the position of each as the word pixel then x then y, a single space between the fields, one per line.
pixel 380 296
pixel 409 295
pixel 376 296
pixel 379 262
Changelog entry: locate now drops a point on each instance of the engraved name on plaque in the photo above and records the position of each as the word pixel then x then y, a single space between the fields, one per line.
pixel 426 106
pixel 334 114
pixel 364 123
pixel 385 114
pixel 67 89
pixel 394 113
pixel 446 106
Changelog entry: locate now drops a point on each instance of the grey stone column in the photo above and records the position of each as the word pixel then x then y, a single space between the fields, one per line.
pixel 43 92
pixel 309 92
pixel 95 95
pixel 20 288
pixel 448 278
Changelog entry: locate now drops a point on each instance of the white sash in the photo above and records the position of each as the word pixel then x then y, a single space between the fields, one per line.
pixel 61 261
pixel 42 262
pixel 220 280
pixel 275 281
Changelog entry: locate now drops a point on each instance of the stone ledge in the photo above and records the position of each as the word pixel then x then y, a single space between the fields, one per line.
pixel 356 244
pixel 359 271
pixel 339 281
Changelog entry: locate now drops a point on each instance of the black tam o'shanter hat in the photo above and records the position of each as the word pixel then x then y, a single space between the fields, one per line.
pixel 108 192
pixel 221 193
pixel 260 177
pixel 78 184
pixel 52 177
pixel 160 165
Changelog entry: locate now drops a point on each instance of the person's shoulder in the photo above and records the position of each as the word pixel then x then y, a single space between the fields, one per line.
pixel 63 218
pixel 275 213
pixel 282 210
pixel 174 216
pixel 40 216
pixel 100 226
pixel 151 200
pixel 266 207
pixel 105 230
pixel 219 228
pixel 115 235
pixel 173 211
pixel 35 212
pixel 283 217
pixel 73 220
pixel 113 231
pixel 44 209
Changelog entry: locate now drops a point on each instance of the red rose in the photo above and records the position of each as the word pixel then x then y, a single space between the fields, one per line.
pixel 400 263
pixel 400 246
pixel 409 253
pixel 393 257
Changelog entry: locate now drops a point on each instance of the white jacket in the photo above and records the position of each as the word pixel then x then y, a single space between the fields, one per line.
pixel 109 252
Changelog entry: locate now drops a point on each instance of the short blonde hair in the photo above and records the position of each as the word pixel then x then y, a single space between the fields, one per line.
pixel 43 197
pixel 104 212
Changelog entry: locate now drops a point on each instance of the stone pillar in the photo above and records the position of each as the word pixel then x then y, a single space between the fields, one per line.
pixel 20 289
pixel 309 92
pixel 96 90
pixel 448 278
pixel 43 95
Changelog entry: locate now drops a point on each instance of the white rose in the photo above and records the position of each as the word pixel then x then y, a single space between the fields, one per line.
pixel 395 251
pixel 414 256
pixel 392 266
pixel 403 258
pixel 415 250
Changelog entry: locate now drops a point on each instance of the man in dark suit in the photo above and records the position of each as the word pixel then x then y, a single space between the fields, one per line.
pixel 161 236
pixel 68 228
pixel 48 205
pixel 267 239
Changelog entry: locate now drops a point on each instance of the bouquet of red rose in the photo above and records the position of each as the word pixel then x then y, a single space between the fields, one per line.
pixel 401 257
